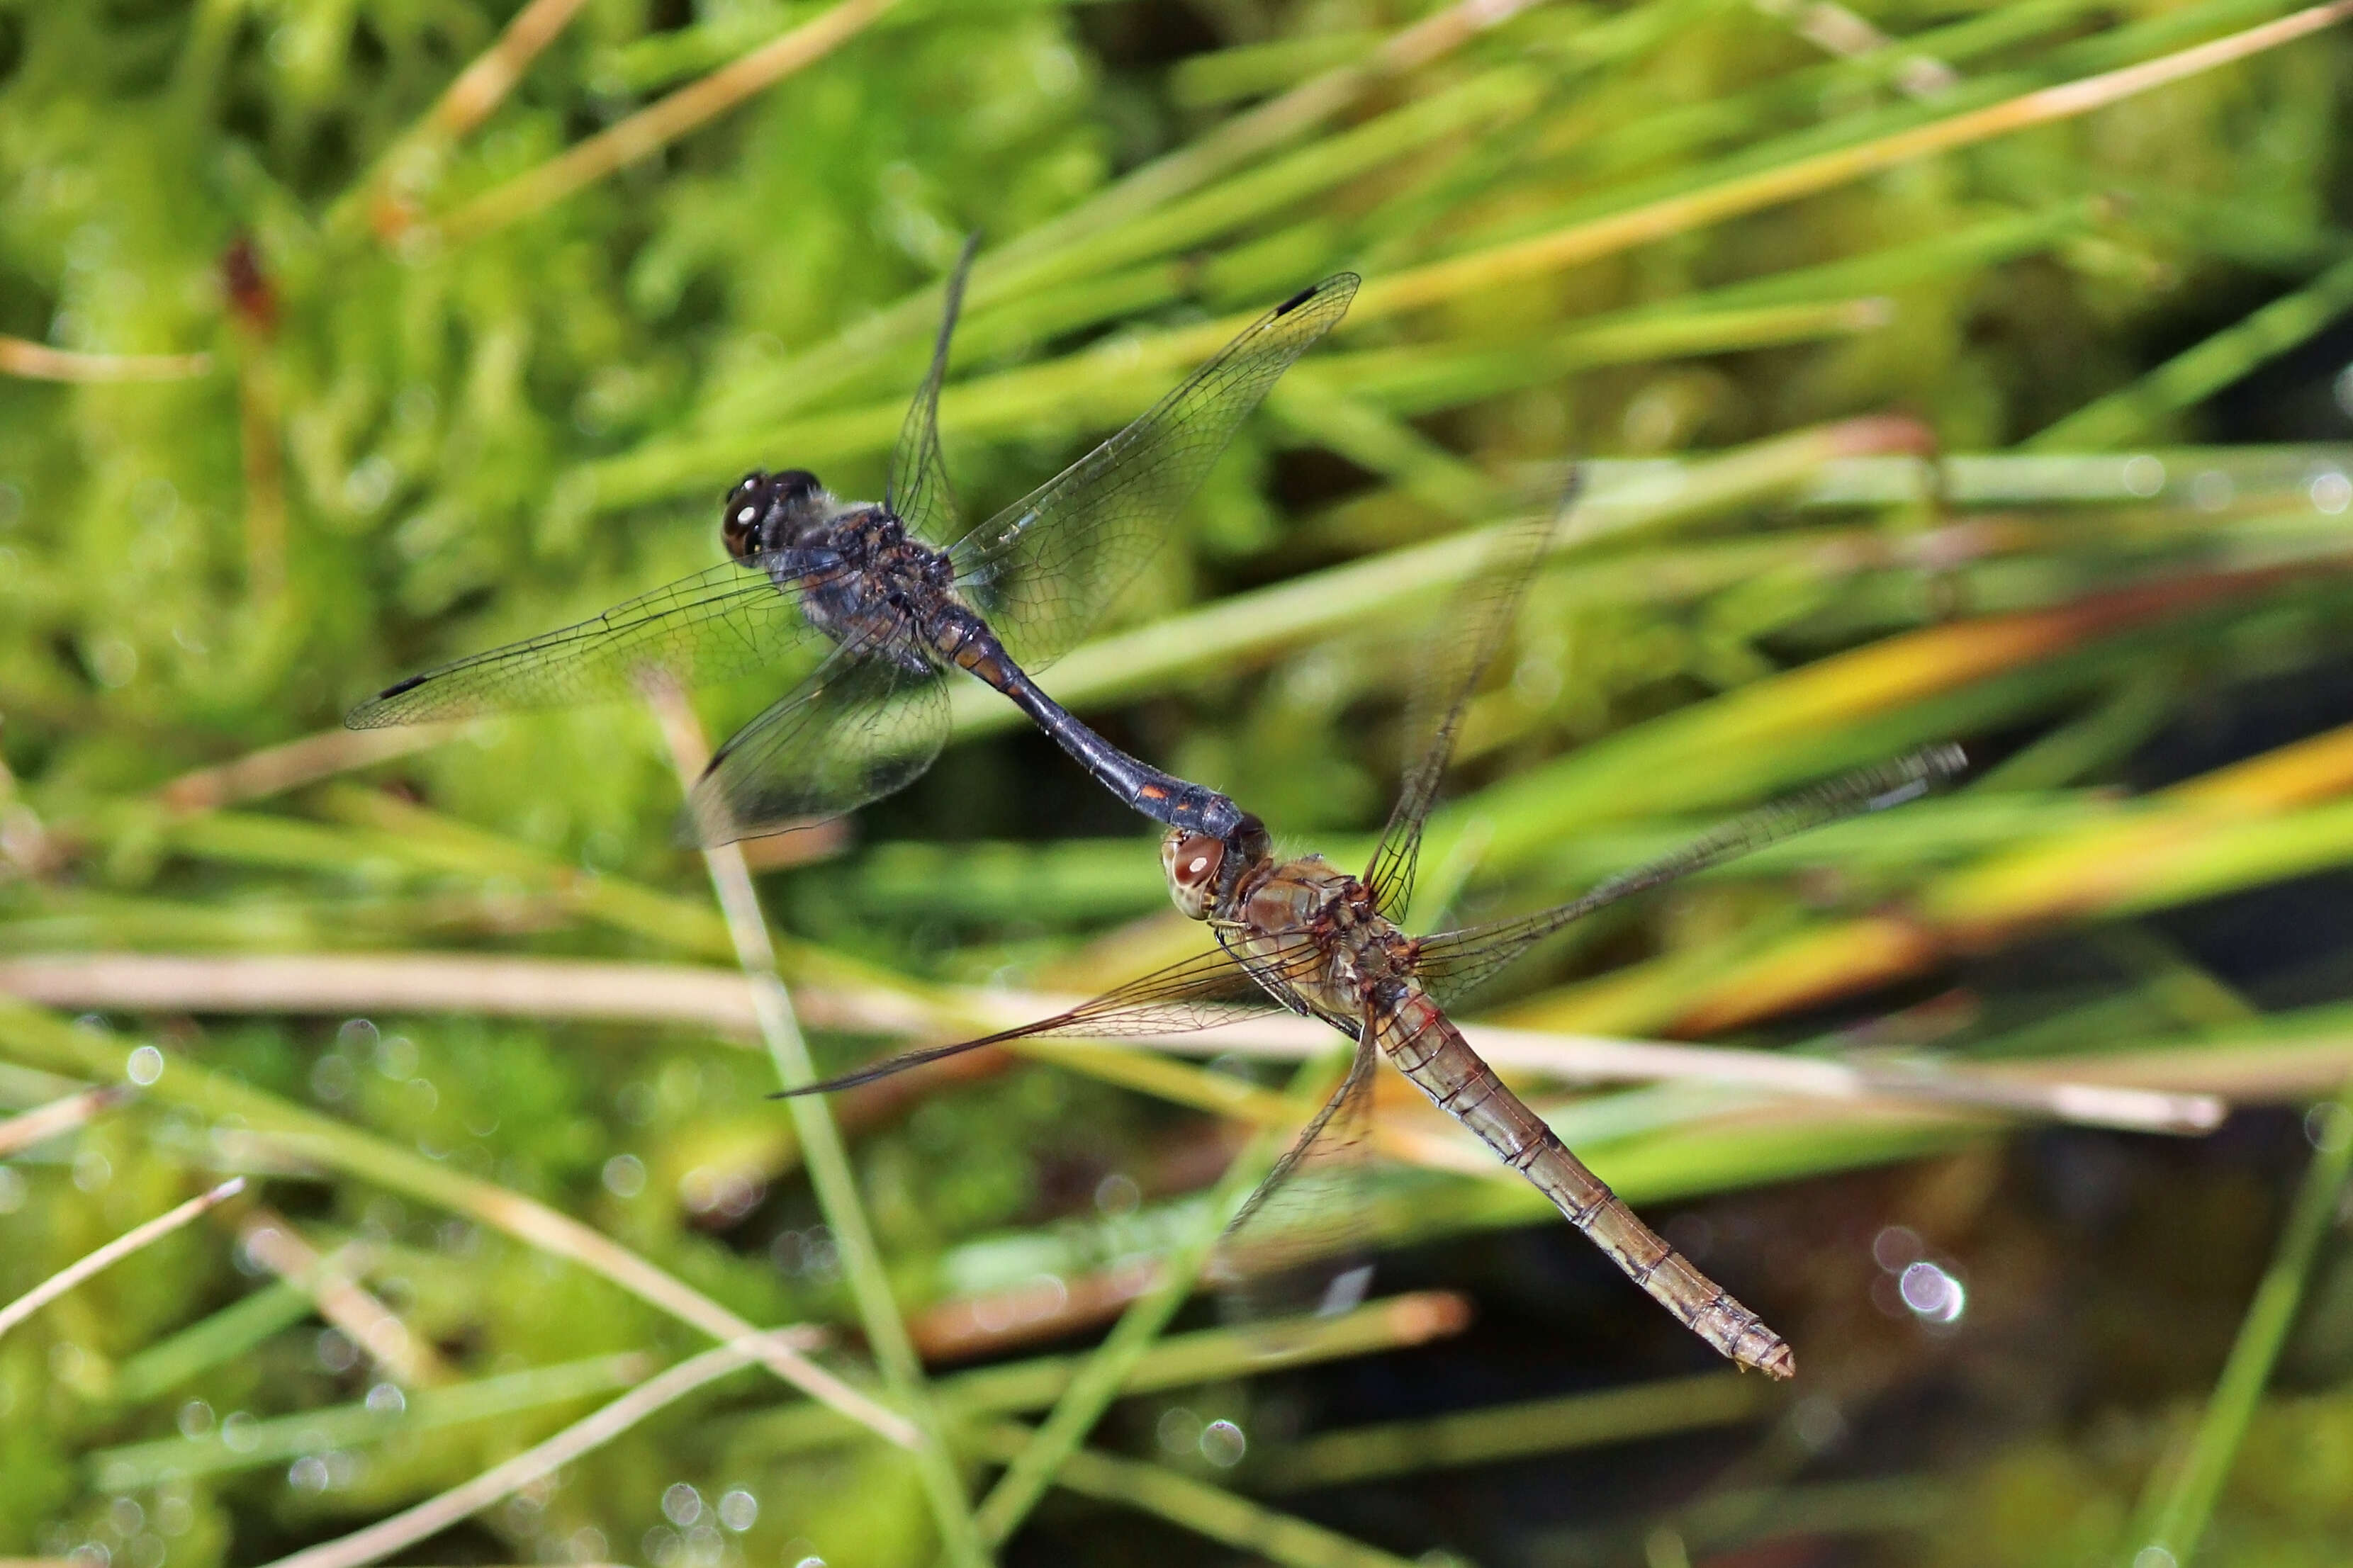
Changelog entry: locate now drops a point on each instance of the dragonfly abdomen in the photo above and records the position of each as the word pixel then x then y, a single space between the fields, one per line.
pixel 967 641
pixel 1427 1047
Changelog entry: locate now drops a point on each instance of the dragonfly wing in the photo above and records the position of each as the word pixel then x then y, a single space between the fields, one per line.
pixel 1043 569
pixel 731 621
pixel 1295 1245
pixel 917 490
pixel 1470 634
pixel 1198 993
pixel 1455 964
pixel 855 730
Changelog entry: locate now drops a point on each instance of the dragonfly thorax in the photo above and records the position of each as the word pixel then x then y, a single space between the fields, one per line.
pixel 1295 909
pixel 858 577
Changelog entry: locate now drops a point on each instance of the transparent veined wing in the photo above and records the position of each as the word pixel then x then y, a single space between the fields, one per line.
pixel 863 726
pixel 1455 964
pixel 723 623
pixel 917 489
pixel 1198 993
pixel 1298 1243
pixel 1471 633
pixel 1042 570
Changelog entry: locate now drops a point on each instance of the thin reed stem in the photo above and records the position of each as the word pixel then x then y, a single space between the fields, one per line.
pixel 485 82
pixel 59 1116
pixel 39 362
pixel 1355 1455
pixel 821 1147
pixel 1264 1533
pixel 388 193
pixel 434 1515
pixel 726 1003
pixel 2174 1513
pixel 402 1356
pixel 135 1466
pixel 1206 1355
pixel 1440 281
pixel 271 1122
pixel 649 130
pixel 207 1343
pixel 2195 374
pixel 1108 1369
pixel 274 770
pixel 114 1252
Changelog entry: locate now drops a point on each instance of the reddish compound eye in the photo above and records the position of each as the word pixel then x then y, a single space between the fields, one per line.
pixel 1192 862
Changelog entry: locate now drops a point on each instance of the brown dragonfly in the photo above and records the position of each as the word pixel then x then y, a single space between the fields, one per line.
pixel 1303 934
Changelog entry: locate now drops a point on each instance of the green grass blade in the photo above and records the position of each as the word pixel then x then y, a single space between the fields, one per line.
pixel 2174 1514
pixel 826 1157
pixel 2198 372
pixel 1108 1370
pixel 1197 1506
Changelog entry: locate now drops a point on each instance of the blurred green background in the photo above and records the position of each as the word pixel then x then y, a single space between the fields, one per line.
pixel 1965 371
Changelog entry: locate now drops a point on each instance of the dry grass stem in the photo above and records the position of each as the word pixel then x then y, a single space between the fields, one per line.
pixel 649 130
pixel 728 1004
pixel 404 1357
pixel 113 1252
pixel 778 1350
pixel 353 984
pixel 1836 30
pixel 390 191
pixel 274 1127
pixel 277 769
pixel 39 362
pixel 1231 144
pixel 435 1515
pixel 1593 1059
pixel 484 84
pixel 58 1116
pixel 1444 282
pixel 1046 1308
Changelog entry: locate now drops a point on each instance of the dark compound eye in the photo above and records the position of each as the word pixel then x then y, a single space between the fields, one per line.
pixel 795 484
pixel 739 525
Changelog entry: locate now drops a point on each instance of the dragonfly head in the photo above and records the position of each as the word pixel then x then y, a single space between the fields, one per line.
pixel 770 511
pixel 1192 862
pixel 1204 870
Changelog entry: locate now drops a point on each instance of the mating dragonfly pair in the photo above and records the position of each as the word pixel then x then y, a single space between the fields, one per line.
pixel 883 599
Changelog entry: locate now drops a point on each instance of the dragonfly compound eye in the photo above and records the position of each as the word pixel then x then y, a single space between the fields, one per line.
pixel 1191 860
pixel 763 510
pixel 738 524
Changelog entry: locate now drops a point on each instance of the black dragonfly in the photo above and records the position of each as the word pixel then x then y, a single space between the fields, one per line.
pixel 885 597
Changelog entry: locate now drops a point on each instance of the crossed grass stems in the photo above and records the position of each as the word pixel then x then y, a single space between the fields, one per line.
pixel 2266 819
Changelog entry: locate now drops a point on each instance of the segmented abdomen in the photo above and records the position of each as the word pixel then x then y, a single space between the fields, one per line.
pixel 1428 1049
